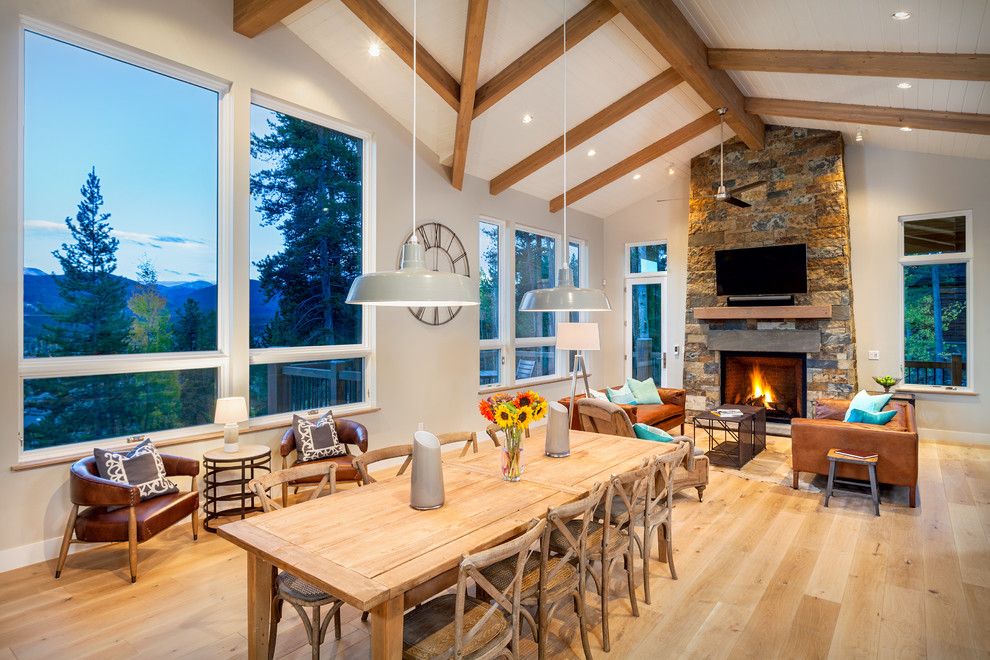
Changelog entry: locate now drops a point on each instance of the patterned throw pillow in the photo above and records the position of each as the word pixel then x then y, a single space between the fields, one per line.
pixel 141 467
pixel 316 440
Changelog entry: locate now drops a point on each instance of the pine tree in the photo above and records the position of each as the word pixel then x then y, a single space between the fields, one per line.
pixel 151 327
pixel 196 331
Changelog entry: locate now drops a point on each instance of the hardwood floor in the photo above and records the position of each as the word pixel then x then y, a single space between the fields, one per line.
pixel 764 571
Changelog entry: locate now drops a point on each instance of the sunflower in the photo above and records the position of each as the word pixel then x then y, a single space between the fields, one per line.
pixel 505 416
pixel 524 416
pixel 539 409
pixel 526 399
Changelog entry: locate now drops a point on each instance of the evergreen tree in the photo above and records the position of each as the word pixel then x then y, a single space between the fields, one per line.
pixel 196 331
pixel 312 194
pixel 94 320
pixel 151 327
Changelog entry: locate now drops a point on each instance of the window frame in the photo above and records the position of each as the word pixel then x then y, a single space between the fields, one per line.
pixel 965 257
pixel 502 342
pixel 103 365
pixel 627 269
pixel 365 349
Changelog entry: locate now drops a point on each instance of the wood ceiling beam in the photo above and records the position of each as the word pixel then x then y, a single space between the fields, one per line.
pixel 648 154
pixel 474 35
pixel 935 120
pixel 664 26
pixel 939 66
pixel 396 37
pixel 252 17
pixel 587 129
pixel 579 26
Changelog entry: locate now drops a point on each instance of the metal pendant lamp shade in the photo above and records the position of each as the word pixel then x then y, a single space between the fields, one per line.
pixel 413 285
pixel 565 297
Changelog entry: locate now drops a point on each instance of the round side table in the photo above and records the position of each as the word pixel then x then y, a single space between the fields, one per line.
pixel 244 464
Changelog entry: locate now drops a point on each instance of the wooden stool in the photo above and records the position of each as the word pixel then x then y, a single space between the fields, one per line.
pixel 871 465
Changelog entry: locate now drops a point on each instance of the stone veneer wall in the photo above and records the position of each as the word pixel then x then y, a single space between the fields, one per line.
pixel 803 202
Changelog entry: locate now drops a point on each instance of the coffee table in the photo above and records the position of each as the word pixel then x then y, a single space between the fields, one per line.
pixel 741 437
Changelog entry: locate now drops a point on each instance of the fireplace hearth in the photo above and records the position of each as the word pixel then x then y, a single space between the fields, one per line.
pixel 775 381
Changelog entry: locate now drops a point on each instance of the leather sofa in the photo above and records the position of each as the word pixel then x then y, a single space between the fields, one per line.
pixel 349 433
pixel 665 416
pixel 895 443
pixel 115 511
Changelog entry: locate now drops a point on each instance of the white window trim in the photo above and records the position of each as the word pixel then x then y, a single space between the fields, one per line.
pixel 500 343
pixel 365 350
pixel 954 257
pixel 629 246
pixel 530 342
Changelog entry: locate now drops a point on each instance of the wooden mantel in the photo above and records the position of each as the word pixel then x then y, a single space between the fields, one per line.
pixel 768 312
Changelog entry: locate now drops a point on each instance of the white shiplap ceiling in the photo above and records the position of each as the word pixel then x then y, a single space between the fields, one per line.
pixel 616 59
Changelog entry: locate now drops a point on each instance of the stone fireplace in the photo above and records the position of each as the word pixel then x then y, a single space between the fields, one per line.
pixel 775 381
pixel 804 201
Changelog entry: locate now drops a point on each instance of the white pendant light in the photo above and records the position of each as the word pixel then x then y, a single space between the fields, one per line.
pixel 413 285
pixel 565 297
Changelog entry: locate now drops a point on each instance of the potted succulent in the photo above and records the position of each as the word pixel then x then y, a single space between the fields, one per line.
pixel 886 382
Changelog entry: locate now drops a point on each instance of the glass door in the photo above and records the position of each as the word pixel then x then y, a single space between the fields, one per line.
pixel 646 305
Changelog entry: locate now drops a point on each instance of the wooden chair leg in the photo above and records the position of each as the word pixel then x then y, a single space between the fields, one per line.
pixel 603 594
pixel 701 492
pixel 794 479
pixel 336 624
pixel 582 621
pixel 647 559
pixel 195 523
pixel 70 526
pixel 314 633
pixel 631 580
pixel 132 543
pixel 285 495
pixel 668 534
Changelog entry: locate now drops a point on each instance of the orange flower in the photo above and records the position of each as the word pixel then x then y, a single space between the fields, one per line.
pixel 525 399
pixel 485 407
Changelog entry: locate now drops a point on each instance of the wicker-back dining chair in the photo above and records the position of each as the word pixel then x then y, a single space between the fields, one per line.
pixel 469 438
pixel 362 462
pixel 604 417
pixel 493 429
pixel 459 626
pixel 289 588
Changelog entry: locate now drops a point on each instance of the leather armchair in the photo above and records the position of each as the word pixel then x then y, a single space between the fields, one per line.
pixel 896 444
pixel 349 433
pixel 114 512
pixel 666 416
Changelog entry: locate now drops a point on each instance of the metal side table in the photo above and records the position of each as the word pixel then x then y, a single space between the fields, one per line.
pixel 226 481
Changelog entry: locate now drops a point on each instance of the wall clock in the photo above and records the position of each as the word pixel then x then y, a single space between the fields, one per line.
pixel 444 253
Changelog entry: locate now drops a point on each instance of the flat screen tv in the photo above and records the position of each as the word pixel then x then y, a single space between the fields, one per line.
pixel 773 270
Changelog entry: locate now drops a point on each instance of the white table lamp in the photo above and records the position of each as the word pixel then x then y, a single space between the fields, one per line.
pixel 231 410
pixel 578 337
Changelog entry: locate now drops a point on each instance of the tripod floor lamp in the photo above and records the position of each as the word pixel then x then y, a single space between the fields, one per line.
pixel 577 337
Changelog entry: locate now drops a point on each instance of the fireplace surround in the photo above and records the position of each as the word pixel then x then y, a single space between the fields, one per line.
pixel 775 381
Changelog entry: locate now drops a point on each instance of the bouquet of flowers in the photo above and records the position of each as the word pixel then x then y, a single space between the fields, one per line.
pixel 513 414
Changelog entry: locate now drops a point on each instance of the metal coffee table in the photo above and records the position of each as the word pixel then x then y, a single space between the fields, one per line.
pixel 741 438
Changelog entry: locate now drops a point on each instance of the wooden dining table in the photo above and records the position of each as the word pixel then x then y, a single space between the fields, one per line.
pixel 367 547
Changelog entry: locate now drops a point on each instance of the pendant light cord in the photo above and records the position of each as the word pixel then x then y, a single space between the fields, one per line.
pixel 414 74
pixel 563 5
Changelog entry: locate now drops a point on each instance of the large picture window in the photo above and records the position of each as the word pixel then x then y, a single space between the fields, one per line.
pixel 120 258
pixel 536 263
pixel 490 313
pixel 936 255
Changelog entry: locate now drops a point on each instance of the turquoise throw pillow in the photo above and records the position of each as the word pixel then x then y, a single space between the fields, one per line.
pixel 644 391
pixel 644 432
pixel 871 417
pixel 621 395
pixel 867 403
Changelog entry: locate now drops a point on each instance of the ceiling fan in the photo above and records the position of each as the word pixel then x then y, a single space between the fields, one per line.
pixel 723 195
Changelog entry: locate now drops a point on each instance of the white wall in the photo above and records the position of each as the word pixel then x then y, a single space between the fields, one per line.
pixel 881 185
pixel 427 374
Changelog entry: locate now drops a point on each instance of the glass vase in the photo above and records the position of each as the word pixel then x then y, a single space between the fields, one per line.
pixel 512 458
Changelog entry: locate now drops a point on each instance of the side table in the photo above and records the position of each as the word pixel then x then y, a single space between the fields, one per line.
pixel 245 464
pixel 744 436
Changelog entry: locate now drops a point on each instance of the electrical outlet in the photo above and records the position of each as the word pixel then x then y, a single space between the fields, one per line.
pixel 873 355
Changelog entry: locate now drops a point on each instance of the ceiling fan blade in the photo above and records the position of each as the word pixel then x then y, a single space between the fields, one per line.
pixel 748 186
pixel 735 201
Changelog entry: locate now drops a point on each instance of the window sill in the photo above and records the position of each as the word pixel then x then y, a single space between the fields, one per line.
pixel 926 389
pixel 526 384
pixel 73 456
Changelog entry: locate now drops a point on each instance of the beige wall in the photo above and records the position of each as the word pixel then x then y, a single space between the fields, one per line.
pixel 424 373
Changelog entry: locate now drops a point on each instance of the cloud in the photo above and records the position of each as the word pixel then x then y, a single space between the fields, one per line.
pixel 134 237
pixel 181 240
pixel 45 225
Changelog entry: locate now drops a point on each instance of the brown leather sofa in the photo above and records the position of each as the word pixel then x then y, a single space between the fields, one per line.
pixel 116 513
pixel 666 416
pixel 896 444
pixel 349 433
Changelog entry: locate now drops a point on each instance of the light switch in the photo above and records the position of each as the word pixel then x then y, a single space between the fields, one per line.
pixel 873 355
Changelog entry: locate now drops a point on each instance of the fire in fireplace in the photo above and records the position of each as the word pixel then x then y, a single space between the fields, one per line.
pixel 775 381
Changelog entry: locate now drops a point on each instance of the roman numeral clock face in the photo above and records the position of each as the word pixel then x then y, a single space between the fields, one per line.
pixel 444 253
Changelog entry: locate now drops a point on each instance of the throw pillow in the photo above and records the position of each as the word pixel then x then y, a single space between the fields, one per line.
pixel 597 394
pixel 318 439
pixel 867 402
pixel 871 417
pixel 644 432
pixel 644 391
pixel 621 395
pixel 141 467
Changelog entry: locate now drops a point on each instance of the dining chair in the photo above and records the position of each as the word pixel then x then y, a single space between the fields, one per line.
pixel 469 438
pixel 289 588
pixel 366 459
pixel 551 579
pixel 459 626
pixel 493 430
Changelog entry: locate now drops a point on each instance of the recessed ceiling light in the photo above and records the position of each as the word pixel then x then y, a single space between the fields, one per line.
pixel 906 129
pixel 637 176
pixel 904 85
pixel 374 49
pixel 591 152
pixel 670 170
pixel 901 15
pixel 527 118
pixel 859 135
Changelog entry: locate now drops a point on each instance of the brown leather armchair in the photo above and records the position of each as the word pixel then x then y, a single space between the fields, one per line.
pixel 666 416
pixel 349 433
pixel 115 512
pixel 896 444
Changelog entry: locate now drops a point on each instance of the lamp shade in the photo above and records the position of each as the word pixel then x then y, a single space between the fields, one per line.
pixel 565 297
pixel 230 410
pixel 413 285
pixel 578 337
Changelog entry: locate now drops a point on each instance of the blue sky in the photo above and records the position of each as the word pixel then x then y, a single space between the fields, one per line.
pixel 153 141
pixel 264 240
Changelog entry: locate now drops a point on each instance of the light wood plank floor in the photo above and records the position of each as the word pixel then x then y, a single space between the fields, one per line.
pixel 764 571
